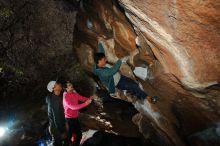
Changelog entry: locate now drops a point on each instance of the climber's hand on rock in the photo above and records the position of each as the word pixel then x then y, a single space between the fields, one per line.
pixel 125 59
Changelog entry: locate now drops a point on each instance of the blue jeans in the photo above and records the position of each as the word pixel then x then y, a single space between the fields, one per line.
pixel 131 86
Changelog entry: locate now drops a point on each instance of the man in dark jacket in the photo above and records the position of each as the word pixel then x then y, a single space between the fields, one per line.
pixel 56 114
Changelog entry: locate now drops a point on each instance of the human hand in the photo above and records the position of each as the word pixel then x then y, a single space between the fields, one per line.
pixel 88 101
pixel 125 59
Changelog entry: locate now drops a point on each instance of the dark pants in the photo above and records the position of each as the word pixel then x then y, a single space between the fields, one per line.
pixel 131 86
pixel 56 137
pixel 74 128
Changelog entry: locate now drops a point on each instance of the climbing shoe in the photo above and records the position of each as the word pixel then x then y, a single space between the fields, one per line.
pixel 154 99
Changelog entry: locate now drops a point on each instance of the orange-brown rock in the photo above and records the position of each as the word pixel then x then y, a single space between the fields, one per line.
pixel 180 44
pixel 185 34
pixel 86 56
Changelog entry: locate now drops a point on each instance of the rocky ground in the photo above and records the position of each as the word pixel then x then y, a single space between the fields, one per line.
pixel 30 121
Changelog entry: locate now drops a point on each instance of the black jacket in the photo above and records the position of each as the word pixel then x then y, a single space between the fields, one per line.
pixel 56 112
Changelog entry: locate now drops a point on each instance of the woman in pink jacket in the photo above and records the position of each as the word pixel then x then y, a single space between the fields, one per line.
pixel 71 105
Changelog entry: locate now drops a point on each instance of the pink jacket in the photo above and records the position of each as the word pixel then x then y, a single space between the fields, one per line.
pixel 71 104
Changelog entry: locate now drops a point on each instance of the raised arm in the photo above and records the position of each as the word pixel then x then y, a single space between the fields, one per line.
pixel 82 99
pixel 101 48
pixel 111 71
pixel 74 107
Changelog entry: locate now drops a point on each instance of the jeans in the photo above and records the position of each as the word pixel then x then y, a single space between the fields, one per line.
pixel 131 86
pixel 74 127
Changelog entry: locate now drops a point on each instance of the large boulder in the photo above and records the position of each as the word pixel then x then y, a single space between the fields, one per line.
pixel 179 43
pixel 184 37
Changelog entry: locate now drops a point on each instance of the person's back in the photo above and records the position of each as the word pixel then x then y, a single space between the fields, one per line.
pixel 56 113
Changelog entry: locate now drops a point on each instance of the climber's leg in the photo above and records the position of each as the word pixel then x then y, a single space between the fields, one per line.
pixel 131 86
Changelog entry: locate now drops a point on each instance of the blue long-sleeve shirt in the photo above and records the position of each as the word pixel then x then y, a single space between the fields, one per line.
pixel 106 74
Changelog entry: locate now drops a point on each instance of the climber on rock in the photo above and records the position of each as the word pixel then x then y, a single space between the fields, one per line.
pixel 111 78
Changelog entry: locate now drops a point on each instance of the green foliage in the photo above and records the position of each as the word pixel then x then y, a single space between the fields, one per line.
pixel 12 81
pixel 5 13
pixel 5 69
pixel 36 47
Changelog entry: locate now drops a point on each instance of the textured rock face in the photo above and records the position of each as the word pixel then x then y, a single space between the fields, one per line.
pixel 185 34
pixel 179 42
pixel 34 37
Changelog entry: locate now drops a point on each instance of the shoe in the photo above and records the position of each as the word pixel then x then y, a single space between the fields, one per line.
pixel 154 99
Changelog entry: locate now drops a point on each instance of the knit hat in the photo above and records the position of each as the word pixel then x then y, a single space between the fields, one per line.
pixel 51 85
